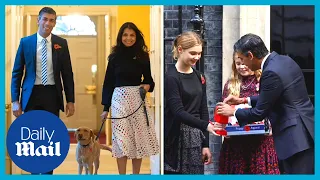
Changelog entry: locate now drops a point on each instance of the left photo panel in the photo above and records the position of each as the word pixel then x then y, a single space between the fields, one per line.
pixel 83 89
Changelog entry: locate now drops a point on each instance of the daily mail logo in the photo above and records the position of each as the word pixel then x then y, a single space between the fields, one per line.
pixel 28 148
pixel 38 141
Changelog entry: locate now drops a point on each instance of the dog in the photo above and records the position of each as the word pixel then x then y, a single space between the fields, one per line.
pixel 88 150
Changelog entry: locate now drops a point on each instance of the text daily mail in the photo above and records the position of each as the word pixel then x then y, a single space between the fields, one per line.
pixel 27 146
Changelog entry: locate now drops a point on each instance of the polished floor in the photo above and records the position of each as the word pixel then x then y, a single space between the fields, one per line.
pixel 108 164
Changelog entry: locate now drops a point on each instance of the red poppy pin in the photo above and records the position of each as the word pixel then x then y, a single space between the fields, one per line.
pixel 203 80
pixel 56 46
pixel 246 128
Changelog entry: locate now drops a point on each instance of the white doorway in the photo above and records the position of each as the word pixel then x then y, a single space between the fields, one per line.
pixel 156 54
pixel 83 53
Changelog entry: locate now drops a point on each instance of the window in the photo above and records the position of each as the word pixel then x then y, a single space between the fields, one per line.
pixel 74 25
pixel 292 33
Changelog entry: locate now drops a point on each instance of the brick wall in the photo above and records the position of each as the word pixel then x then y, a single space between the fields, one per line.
pixel 212 17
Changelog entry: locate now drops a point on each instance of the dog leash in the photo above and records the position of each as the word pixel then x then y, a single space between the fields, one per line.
pixel 143 96
pixel 100 130
pixel 129 114
pixel 145 112
pixel 120 118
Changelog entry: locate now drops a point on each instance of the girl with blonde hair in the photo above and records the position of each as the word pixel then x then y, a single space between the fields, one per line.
pixel 186 119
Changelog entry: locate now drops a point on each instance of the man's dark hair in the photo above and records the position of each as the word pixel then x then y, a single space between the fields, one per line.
pixel 252 43
pixel 48 10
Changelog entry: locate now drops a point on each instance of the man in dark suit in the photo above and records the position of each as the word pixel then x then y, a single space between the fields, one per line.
pixel 283 99
pixel 43 59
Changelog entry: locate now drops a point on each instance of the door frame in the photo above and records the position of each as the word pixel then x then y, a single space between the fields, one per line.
pixel 103 31
pixel 156 59
pixel 14 31
pixel 105 28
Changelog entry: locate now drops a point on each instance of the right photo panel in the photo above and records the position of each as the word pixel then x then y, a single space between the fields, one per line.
pixel 238 89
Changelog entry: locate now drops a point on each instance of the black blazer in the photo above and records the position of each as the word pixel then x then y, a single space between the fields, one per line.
pixel 284 100
pixel 175 114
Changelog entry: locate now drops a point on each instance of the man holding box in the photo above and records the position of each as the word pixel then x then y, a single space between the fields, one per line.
pixel 283 99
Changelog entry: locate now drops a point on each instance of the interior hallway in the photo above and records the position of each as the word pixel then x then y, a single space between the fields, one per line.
pixel 108 164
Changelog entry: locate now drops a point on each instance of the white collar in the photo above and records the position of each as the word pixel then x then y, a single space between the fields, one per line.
pixel 264 60
pixel 39 38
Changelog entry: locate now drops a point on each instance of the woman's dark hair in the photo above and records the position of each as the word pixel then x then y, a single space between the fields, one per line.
pixel 139 47
pixel 252 43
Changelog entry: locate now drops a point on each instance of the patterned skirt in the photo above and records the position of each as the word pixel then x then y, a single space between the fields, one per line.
pixel 131 136
pixel 189 152
pixel 253 154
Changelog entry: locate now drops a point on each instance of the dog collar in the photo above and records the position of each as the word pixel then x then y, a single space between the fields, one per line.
pixel 84 146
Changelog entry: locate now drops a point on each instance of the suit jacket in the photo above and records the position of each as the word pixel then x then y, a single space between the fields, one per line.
pixel 284 100
pixel 25 65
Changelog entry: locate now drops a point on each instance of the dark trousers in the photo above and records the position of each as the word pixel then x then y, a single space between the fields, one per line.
pixel 281 168
pixel 44 98
pixel 300 163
